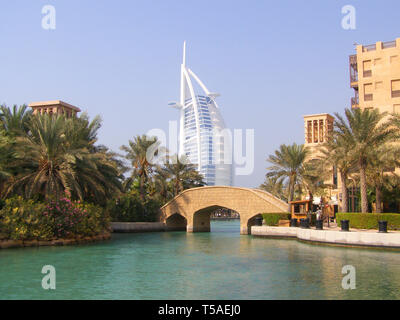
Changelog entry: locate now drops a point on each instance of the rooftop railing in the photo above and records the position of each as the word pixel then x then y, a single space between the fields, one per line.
pixel 389 44
pixel 385 45
pixel 370 47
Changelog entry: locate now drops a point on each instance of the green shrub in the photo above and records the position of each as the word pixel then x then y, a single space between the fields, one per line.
pixel 369 220
pixel 130 208
pixel 23 219
pixel 26 219
pixel 272 219
pixel 96 220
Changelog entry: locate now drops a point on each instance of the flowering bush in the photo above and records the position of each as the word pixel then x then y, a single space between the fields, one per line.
pixel 25 219
pixel 65 217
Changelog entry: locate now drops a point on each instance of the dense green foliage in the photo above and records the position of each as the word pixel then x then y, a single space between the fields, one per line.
pixel 44 156
pixel 54 177
pixel 22 219
pixel 272 219
pixel 160 182
pixel 369 220
pixel 129 207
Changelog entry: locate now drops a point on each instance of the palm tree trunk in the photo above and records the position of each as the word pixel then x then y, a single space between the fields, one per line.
pixel 363 189
pixel 311 198
pixel 345 194
pixel 378 199
pixel 291 191
pixel 141 187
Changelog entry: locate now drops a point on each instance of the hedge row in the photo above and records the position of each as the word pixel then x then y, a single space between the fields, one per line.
pixel 369 220
pixel 272 219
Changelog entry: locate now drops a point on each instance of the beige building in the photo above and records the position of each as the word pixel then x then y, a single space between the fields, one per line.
pixel 375 78
pixel 54 107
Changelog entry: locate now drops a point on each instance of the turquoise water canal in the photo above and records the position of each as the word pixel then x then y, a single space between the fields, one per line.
pixel 216 265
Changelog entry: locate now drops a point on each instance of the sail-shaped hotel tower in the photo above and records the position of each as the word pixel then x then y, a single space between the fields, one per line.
pixel 203 137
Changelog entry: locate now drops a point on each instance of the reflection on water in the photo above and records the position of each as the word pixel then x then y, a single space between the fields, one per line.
pixel 217 265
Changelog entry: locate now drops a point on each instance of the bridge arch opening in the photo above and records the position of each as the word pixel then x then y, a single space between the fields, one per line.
pixel 202 217
pixel 252 222
pixel 176 222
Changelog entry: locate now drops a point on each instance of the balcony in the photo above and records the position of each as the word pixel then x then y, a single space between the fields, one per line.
pixel 353 71
pixel 355 102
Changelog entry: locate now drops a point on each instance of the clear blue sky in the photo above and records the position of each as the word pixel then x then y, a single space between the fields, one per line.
pixel 272 61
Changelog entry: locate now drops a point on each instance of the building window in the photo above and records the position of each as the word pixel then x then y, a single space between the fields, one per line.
pixel 329 126
pixel 321 130
pixel 367 68
pixel 395 88
pixel 368 96
pixel 315 131
pixel 309 131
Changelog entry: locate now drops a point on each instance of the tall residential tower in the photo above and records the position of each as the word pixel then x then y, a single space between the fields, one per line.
pixel 203 137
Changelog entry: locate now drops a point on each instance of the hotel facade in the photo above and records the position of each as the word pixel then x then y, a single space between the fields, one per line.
pixel 375 78
pixel 203 136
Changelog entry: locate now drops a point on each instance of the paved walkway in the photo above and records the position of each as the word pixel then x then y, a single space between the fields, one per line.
pixel 334 235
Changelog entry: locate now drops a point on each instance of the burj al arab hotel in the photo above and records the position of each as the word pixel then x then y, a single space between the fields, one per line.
pixel 203 137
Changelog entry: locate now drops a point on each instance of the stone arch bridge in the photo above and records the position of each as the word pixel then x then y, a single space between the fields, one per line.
pixel 192 208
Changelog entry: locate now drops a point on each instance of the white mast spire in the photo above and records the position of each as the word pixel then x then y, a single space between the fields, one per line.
pixel 184 53
pixel 183 80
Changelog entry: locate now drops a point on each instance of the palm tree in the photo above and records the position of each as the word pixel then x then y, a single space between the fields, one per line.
pixel 381 171
pixel 276 187
pixel 5 157
pixel 335 155
pixel 363 131
pixel 55 160
pixel 182 174
pixel 136 153
pixel 312 178
pixel 288 164
pixel 15 121
pixel 161 184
